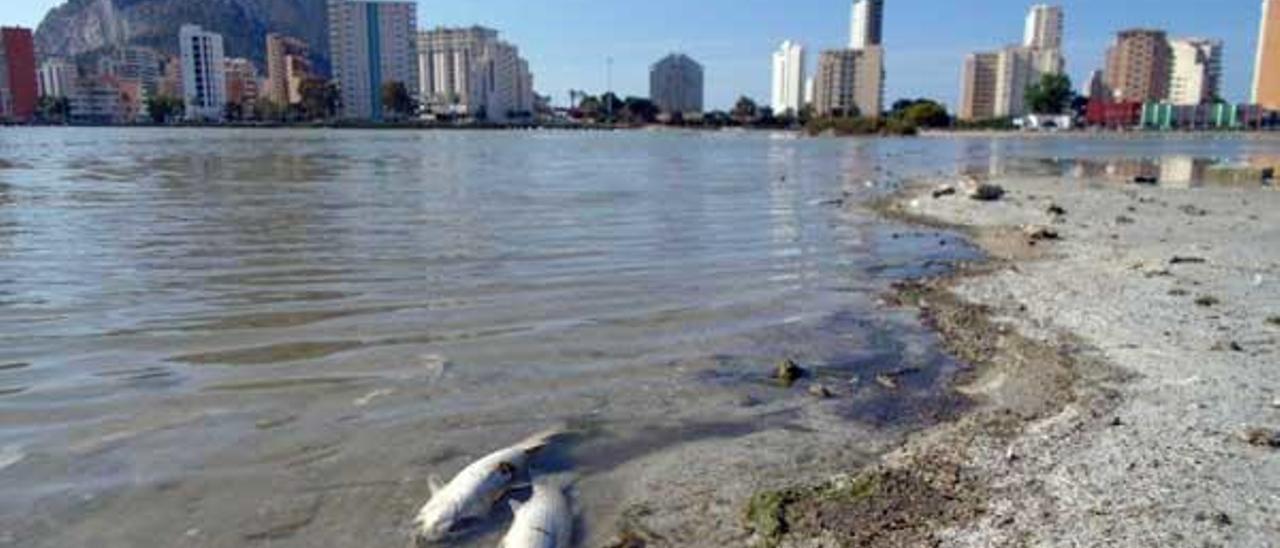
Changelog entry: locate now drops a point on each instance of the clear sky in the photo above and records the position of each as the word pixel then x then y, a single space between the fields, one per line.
pixel 568 41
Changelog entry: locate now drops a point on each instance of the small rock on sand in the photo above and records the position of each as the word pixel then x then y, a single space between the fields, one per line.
pixel 943 190
pixel 1056 210
pixel 887 382
pixel 1207 301
pixel 788 372
pixel 1146 180
pixel 987 193
pixel 1038 233
pixel 821 392
pixel 1261 437
pixel 1187 260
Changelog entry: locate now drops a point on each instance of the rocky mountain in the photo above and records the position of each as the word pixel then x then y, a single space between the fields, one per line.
pixel 81 28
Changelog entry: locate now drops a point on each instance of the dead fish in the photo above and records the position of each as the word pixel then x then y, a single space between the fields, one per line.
pixel 545 521
pixel 475 489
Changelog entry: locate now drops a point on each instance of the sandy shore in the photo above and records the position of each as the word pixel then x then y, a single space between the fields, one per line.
pixel 1127 374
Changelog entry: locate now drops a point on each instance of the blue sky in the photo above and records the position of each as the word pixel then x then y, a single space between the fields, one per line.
pixel 568 41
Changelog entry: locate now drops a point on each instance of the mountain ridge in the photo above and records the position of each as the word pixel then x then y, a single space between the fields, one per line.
pixel 85 28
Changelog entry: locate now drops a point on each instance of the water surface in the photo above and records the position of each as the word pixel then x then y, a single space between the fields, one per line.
pixel 228 338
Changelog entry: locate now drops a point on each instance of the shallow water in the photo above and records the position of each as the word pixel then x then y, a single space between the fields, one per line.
pixel 220 338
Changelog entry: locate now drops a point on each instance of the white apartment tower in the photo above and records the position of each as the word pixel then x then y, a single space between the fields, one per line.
pixel 788 78
pixel 1044 27
pixel 372 43
pixel 204 85
pixel 867 24
pixel 470 72
pixel 56 78
pixel 1196 71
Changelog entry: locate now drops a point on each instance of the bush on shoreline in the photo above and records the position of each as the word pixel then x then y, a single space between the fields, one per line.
pixel 845 127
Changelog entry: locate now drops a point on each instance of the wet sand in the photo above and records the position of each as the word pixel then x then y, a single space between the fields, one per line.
pixel 1126 374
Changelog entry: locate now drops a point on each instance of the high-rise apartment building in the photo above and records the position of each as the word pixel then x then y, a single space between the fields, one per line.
pixel 978 96
pixel 1196 71
pixel 788 78
pixel 242 81
pixel 19 90
pixel 57 78
pixel 141 65
pixel 1044 27
pixel 850 81
pixel 1138 65
pixel 204 84
pixel 995 82
pixel 470 72
pixel 288 65
pixel 372 43
pixel 866 24
pixel 676 84
pixel 1266 70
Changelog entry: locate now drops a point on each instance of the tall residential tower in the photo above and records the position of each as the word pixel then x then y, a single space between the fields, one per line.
pixel 1139 65
pixel 372 43
pixel 470 72
pixel 1196 71
pixel 867 24
pixel 1044 27
pixel 18 85
pixel 788 78
pixel 1266 70
pixel 676 84
pixel 204 84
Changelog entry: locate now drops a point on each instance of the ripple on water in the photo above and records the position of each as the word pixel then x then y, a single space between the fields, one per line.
pixel 10 455
pixel 271 354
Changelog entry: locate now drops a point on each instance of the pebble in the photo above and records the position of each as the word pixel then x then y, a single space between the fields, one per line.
pixel 987 193
pixel 819 391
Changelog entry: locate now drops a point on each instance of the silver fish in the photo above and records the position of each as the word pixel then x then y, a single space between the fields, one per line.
pixel 474 491
pixel 545 521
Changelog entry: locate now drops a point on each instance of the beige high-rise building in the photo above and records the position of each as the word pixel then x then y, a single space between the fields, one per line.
pixel 470 72
pixel 850 81
pixel 372 43
pixel 288 65
pixel 1138 65
pixel 996 82
pixel 1266 71
pixel 1195 72
pixel 1044 27
pixel 978 96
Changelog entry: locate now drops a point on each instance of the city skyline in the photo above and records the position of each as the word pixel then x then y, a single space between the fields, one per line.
pixel 735 45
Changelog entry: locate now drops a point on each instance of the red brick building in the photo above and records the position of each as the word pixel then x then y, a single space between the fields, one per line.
pixel 18 89
pixel 1114 115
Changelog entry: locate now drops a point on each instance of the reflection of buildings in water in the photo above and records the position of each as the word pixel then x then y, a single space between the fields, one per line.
pixel 1264 161
pixel 785 233
pixel 1182 171
pixel 858 163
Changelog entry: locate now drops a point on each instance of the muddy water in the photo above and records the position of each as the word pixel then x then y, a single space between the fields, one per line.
pixel 225 338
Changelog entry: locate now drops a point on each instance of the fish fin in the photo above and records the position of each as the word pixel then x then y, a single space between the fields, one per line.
pixel 541 440
pixel 435 484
